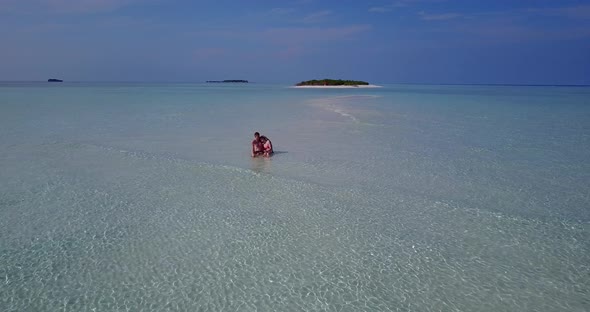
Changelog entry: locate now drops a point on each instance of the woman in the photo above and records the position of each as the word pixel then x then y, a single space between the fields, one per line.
pixel 266 146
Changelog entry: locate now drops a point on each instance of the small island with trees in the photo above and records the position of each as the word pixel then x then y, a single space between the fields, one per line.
pixel 228 81
pixel 54 80
pixel 332 83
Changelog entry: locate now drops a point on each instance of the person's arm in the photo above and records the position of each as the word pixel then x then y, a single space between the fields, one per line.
pixel 252 148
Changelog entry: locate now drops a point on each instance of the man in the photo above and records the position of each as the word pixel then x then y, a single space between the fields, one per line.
pixel 257 145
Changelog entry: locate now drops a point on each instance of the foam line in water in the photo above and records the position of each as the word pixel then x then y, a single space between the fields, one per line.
pixel 336 105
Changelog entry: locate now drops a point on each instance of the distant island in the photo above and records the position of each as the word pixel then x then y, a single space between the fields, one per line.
pixel 54 80
pixel 226 81
pixel 332 82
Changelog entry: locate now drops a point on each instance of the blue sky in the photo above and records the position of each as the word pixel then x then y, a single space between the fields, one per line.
pixel 389 41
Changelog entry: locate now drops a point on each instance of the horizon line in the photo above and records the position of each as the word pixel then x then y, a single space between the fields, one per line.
pixel 254 82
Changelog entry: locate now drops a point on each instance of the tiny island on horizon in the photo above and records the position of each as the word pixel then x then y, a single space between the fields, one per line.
pixel 228 81
pixel 54 80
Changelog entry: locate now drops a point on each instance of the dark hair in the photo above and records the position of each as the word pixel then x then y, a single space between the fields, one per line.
pixel 256 134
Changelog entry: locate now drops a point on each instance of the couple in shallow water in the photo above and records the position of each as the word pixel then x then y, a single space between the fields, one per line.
pixel 261 146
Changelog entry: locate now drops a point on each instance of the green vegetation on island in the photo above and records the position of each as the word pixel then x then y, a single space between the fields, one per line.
pixel 226 81
pixel 332 82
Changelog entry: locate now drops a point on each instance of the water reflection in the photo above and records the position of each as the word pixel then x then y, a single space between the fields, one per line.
pixel 261 164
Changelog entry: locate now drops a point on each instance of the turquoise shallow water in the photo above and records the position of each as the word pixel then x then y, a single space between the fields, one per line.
pixel 401 198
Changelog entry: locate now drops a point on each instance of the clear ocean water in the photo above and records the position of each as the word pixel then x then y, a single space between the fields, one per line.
pixel 129 197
